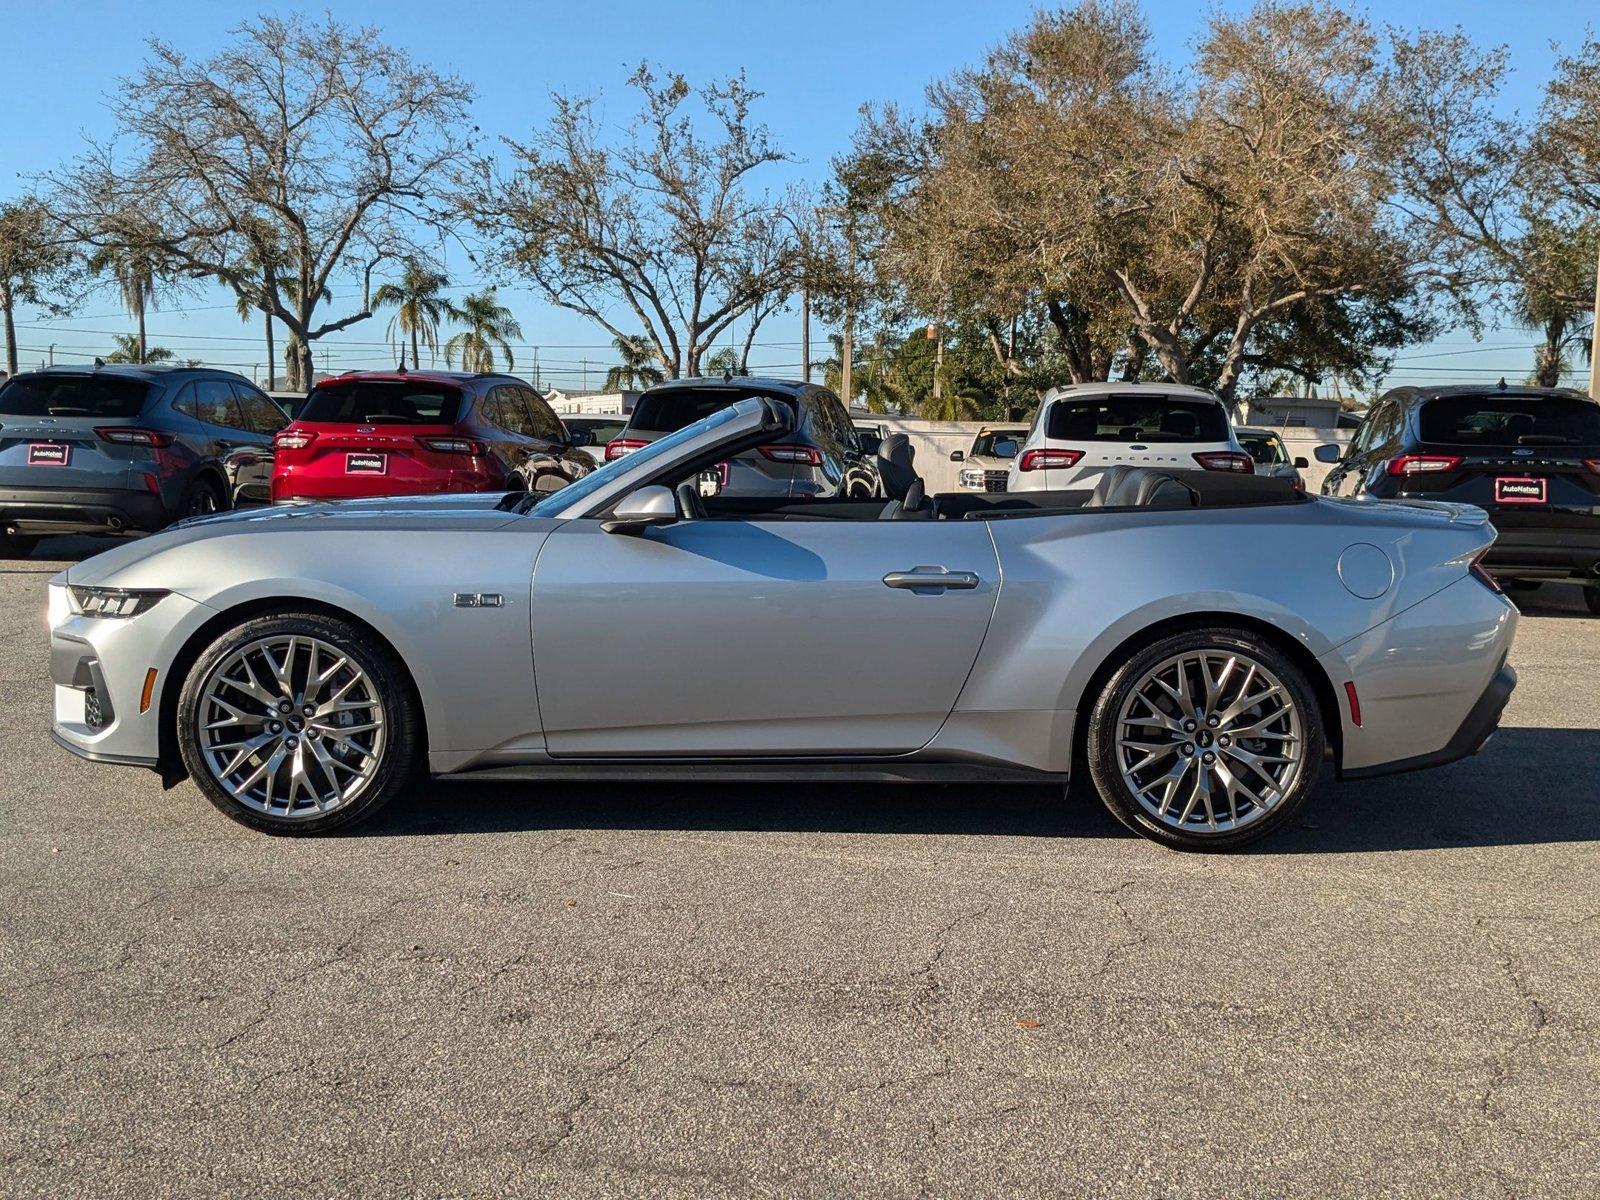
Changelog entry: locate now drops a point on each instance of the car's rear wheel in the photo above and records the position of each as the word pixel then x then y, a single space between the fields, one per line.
pixel 298 723
pixel 1206 740
pixel 200 499
pixel 16 546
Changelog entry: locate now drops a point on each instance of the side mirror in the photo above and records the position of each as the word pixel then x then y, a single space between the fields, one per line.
pixel 958 456
pixel 1300 463
pixel 580 437
pixel 637 511
pixel 1329 454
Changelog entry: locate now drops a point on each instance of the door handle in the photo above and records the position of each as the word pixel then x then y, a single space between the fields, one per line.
pixel 932 579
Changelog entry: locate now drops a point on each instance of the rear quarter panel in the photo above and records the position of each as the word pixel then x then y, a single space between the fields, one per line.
pixel 1074 588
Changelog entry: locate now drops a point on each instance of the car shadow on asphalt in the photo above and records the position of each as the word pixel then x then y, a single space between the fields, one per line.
pixel 1529 786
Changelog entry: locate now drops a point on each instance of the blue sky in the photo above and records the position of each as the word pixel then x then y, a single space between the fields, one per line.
pixel 816 63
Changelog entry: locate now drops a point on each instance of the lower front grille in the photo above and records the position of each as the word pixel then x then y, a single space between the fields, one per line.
pixel 994 481
pixel 93 716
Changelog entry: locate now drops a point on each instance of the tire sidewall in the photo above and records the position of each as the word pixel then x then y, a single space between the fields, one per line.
pixel 1102 737
pixel 397 762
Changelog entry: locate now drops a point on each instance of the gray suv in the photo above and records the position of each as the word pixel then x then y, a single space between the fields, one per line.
pixel 127 450
pixel 822 457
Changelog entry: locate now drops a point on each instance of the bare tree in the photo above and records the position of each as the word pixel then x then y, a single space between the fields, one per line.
pixel 292 153
pixel 33 262
pixel 660 231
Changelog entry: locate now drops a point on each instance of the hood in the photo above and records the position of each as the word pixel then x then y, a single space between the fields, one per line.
pixel 384 514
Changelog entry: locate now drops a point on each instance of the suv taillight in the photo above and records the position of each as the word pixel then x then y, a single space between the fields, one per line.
pixel 451 445
pixel 1593 464
pixel 1225 460
pixel 293 439
pixel 1482 576
pixel 1423 464
pixel 807 455
pixel 1040 460
pixel 617 447
pixel 129 435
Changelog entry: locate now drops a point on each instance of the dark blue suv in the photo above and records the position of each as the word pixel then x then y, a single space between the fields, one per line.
pixel 128 450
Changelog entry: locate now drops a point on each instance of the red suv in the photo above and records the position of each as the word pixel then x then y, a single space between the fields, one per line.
pixel 393 433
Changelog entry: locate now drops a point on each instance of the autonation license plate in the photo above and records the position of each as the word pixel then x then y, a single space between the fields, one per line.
pixel 49 454
pixel 366 464
pixel 1521 490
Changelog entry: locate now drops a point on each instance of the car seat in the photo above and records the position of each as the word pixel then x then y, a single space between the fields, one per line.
pixel 896 465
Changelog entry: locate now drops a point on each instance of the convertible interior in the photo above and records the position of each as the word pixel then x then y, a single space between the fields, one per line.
pixel 1121 488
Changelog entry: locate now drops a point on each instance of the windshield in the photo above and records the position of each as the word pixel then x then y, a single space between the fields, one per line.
pixel 999 443
pixel 1511 421
pixel 1137 419
pixel 556 503
pixel 73 396
pixel 380 401
pixel 1264 448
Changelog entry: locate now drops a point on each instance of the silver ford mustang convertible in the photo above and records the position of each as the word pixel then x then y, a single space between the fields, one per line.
pixel 1200 643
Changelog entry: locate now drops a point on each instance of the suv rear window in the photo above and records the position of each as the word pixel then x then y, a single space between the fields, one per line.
pixel 381 401
pixel 1136 419
pixel 1511 421
pixel 73 396
pixel 670 411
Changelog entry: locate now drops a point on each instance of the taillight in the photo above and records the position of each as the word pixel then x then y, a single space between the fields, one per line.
pixel 128 435
pixel 1482 576
pixel 1593 464
pixel 293 439
pixel 1225 460
pixel 452 445
pixel 1041 460
pixel 1423 464
pixel 808 455
pixel 617 447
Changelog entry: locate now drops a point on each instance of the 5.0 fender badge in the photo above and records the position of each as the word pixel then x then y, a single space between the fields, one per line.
pixel 480 600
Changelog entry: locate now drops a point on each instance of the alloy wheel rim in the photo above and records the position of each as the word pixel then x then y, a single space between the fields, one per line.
pixel 291 726
pixel 1210 741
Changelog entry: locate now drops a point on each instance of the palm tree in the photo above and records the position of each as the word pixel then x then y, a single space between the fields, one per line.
pixel 489 324
pixel 129 350
pixel 638 369
pixel 134 269
pixel 419 305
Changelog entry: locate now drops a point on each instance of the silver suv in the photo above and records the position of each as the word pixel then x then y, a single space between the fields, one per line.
pixel 126 450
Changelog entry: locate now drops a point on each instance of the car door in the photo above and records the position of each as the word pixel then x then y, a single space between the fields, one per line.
pixel 751 637
pixel 757 637
pixel 250 462
pixel 555 461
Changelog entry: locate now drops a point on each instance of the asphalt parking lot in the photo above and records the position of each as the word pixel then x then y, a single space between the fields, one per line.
pixel 740 990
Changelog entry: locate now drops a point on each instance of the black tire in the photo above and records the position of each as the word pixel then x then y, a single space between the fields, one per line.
pixel 401 748
pixel 17 546
pixel 1106 765
pixel 200 499
pixel 1591 596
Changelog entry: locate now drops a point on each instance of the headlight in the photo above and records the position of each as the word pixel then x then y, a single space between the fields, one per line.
pixel 110 602
pixel 972 479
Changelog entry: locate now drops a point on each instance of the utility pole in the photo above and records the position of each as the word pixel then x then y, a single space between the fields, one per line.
pixel 1594 338
pixel 805 330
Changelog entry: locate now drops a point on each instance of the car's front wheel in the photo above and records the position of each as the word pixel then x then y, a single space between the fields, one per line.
pixel 1206 740
pixel 298 723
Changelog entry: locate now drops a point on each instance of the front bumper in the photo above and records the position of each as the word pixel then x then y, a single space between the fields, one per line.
pixel 47 511
pixel 99 665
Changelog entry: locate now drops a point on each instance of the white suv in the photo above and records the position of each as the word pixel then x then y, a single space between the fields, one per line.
pixel 1085 428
